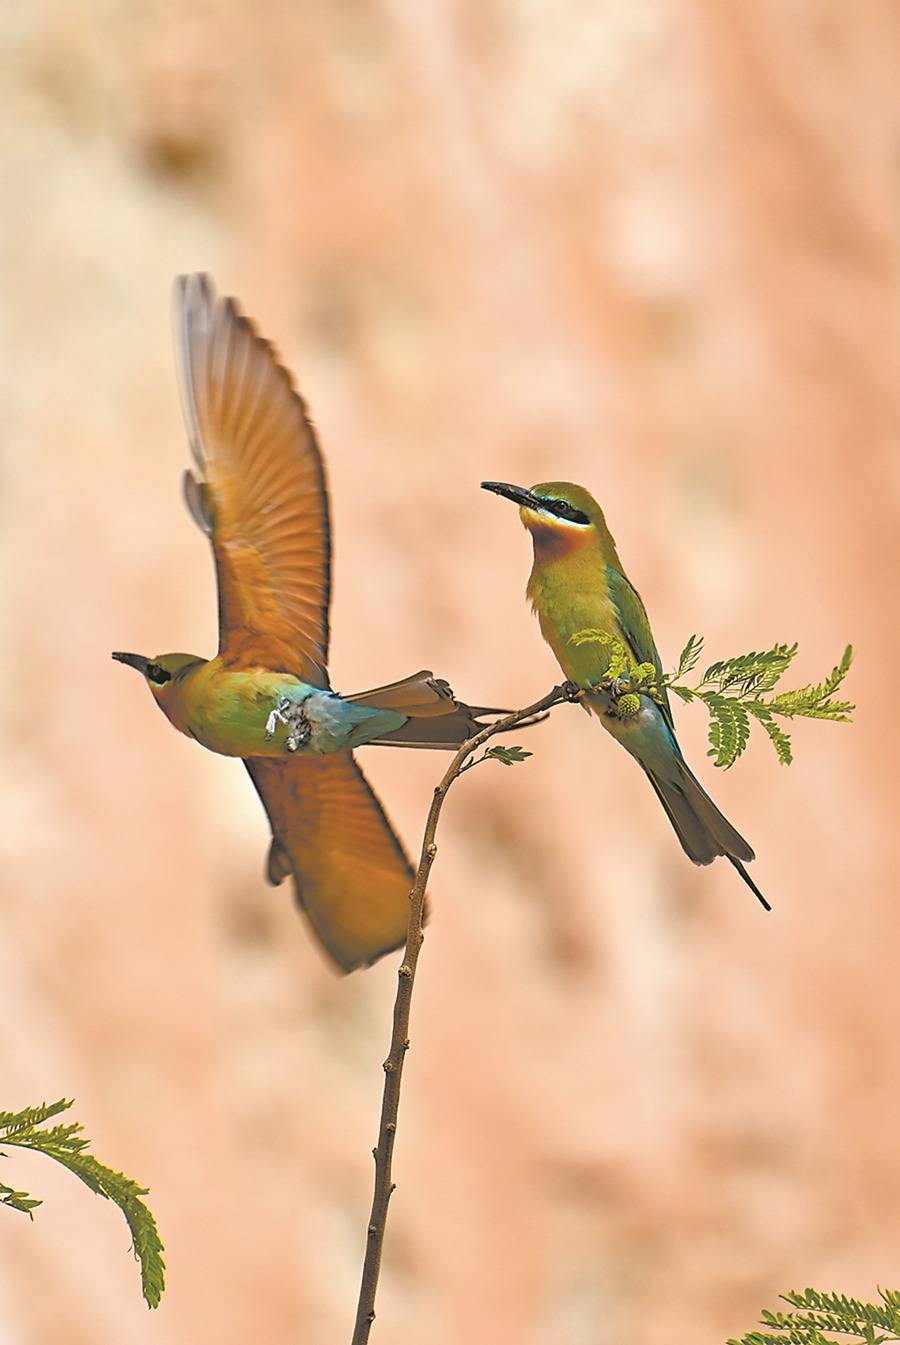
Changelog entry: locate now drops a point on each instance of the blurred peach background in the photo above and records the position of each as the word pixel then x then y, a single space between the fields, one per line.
pixel 650 247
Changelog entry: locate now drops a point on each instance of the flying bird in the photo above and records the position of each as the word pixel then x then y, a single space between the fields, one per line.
pixel 259 493
pixel 578 584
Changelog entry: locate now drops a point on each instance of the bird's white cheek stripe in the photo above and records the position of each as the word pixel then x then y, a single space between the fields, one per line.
pixel 554 521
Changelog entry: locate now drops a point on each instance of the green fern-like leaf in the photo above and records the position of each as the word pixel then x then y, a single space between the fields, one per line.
pixel 738 690
pixel 729 728
pixel 815 701
pixel 813 1314
pixel 18 1200
pixel 845 1310
pixel 12 1123
pixel 778 737
pixel 66 1144
pixel 687 659
pixel 754 672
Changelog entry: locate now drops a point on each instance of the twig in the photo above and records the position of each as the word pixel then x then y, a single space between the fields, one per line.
pixel 393 1065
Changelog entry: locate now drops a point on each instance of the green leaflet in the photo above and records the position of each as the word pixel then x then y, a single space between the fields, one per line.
pixel 67 1145
pixel 751 672
pixel 778 737
pixel 729 728
pixel 818 1318
pixel 736 691
pixel 687 659
pixel 507 755
pixel 18 1200
pixel 816 701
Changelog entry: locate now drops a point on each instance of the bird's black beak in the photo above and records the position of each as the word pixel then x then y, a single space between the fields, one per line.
pixel 517 494
pixel 134 661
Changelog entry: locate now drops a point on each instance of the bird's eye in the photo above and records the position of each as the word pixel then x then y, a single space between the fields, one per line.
pixel 563 509
pixel 157 674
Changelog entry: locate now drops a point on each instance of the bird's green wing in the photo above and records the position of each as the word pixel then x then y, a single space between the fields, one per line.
pixel 635 627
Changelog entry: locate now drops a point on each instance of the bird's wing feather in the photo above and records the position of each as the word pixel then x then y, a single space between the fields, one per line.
pixel 331 833
pixel 635 626
pixel 262 497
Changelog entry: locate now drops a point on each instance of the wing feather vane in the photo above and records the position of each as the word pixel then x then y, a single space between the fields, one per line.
pixel 261 495
pixel 330 832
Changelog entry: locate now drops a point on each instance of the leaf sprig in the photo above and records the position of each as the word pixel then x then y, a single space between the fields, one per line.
pixel 815 1313
pixel 735 691
pixel 507 756
pixel 67 1145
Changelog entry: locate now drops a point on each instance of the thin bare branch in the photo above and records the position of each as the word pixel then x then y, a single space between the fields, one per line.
pixel 393 1065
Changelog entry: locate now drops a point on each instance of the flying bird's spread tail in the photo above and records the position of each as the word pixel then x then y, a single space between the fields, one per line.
pixel 435 718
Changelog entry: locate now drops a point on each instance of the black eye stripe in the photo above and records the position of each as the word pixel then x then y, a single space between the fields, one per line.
pixel 157 674
pixel 563 509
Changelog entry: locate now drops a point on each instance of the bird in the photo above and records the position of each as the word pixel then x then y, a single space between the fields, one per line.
pixel 578 584
pixel 259 493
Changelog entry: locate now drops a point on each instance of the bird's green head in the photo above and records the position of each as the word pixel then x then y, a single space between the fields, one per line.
pixel 559 515
pixel 158 672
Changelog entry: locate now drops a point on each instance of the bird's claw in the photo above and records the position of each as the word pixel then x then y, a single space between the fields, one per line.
pixel 272 722
pixel 298 726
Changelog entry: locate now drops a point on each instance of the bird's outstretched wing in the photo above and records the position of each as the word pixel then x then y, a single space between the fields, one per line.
pixel 261 495
pixel 330 832
pixel 635 626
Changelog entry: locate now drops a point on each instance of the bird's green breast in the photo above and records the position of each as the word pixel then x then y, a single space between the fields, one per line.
pixel 228 711
pixel 569 594
pixel 267 714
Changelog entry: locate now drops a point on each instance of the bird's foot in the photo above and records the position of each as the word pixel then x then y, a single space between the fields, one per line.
pixel 298 726
pixel 624 700
pixel 276 717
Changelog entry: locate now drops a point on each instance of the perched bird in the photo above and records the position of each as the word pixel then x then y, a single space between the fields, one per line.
pixel 578 584
pixel 260 496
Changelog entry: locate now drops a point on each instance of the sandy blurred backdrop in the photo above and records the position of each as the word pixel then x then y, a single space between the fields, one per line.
pixel 649 246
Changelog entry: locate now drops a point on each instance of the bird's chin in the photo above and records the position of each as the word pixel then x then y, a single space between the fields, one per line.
pixel 551 536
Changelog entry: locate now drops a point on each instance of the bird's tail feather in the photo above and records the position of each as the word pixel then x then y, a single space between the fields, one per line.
pixel 435 718
pixel 704 832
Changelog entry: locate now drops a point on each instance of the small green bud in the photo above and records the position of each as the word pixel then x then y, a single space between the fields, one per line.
pixel 628 705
